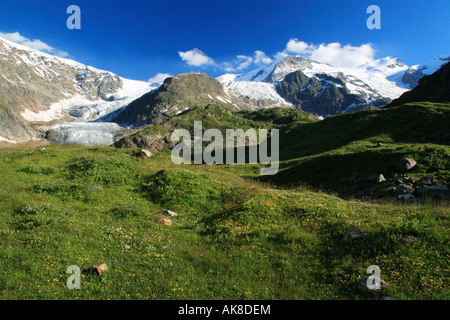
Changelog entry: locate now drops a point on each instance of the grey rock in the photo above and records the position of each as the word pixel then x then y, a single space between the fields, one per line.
pixel 406 241
pixel 404 189
pixel 405 164
pixel 354 234
pixel 379 178
pixel 406 197
pixel 434 191
pixel 169 213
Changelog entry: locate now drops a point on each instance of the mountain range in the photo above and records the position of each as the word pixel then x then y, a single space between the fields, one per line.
pixel 42 95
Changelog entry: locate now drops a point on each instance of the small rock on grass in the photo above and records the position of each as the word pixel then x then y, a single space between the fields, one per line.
pixel 405 241
pixel 404 189
pixel 406 197
pixel 354 234
pixel 169 213
pixel 100 269
pixel 162 218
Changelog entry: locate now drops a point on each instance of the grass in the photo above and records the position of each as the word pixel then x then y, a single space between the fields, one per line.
pixel 234 238
pixel 325 152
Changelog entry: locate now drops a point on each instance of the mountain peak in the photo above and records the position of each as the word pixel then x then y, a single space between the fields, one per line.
pixel 174 96
pixel 37 88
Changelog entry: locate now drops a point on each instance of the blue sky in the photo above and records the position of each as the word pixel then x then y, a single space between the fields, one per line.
pixel 139 39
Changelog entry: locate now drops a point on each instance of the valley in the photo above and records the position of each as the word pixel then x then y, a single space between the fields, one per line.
pixel 88 179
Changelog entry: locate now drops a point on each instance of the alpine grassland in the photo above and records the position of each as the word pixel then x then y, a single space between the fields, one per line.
pixel 236 235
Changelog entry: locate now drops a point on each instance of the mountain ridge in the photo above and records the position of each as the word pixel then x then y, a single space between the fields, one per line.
pixel 39 90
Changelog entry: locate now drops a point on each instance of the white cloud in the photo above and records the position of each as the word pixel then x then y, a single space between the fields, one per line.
pixel 298 47
pixel 228 67
pixel 159 77
pixel 347 56
pixel 244 62
pixel 36 44
pixel 195 57
pixel 333 53
pixel 261 58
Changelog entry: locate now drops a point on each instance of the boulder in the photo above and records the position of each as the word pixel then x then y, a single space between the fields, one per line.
pixel 406 197
pixel 378 178
pixel 169 213
pixel 405 241
pixel 434 192
pixel 162 218
pixel 354 234
pixel 405 164
pixel 146 153
pixel 404 189
pixel 100 269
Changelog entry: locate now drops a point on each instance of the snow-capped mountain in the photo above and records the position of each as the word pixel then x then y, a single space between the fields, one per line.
pixel 368 85
pixel 410 77
pixel 37 88
pixel 44 95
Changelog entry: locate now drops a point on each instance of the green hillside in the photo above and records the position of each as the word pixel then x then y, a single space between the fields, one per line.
pixel 235 237
pixel 371 141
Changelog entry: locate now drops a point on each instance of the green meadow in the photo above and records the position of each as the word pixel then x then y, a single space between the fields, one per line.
pixel 236 236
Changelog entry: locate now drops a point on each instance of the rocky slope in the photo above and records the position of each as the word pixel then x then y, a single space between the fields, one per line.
pixel 176 94
pixel 316 87
pixel 38 89
pixel 324 94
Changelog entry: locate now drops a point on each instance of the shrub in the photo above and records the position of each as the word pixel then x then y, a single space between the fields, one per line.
pixel 127 211
pixel 192 190
pixel 37 169
pixel 101 170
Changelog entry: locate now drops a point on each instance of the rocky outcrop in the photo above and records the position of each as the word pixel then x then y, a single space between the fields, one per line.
pixel 37 88
pixel 155 142
pixel 176 95
pixel 324 94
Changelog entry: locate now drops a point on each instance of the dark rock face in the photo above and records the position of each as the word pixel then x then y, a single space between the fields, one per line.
pixel 412 77
pixel 175 95
pixel 323 94
pixel 432 88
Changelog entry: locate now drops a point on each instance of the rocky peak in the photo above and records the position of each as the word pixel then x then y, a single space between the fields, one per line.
pixel 175 95
pixel 323 94
pixel 37 88
pixel 287 66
